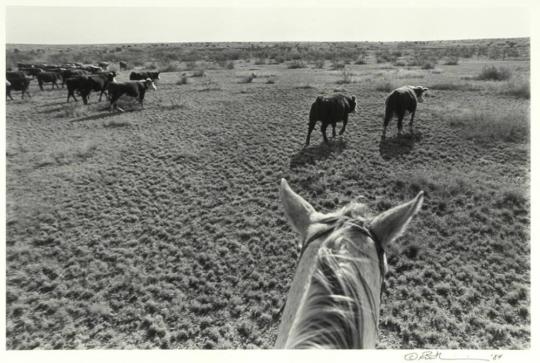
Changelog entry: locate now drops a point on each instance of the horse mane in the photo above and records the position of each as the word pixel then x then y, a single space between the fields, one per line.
pixel 333 313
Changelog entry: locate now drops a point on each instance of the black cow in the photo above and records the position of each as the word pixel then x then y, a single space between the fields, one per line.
pixel 330 110
pixel 123 65
pixel 17 82
pixel 85 84
pixel 100 82
pixel 133 89
pixel 49 77
pixel 31 71
pixel 401 100
pixel 72 73
pixel 81 84
pixel 92 69
pixel 136 76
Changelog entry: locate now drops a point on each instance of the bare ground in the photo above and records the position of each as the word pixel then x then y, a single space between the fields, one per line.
pixel 162 227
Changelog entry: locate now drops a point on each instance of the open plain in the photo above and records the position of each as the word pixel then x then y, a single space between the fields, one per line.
pixel 161 227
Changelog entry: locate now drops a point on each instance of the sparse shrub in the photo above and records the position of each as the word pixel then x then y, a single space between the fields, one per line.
pixel 337 65
pixel 198 73
pixel 451 61
pixel 183 79
pixel 245 328
pixel 492 73
pixel 428 65
pixel 295 64
pixel 210 85
pixel 319 63
pixel 170 67
pixel 454 86
pixel 361 60
pixel 509 126
pixel 346 77
pixel 519 88
pixel 385 85
pixel 248 79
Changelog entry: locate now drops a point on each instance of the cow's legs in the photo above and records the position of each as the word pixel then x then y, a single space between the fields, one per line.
pixel 411 122
pixel 71 94
pixel 40 85
pixel 400 122
pixel 345 119
pixel 324 125
pixel 333 129
pixel 8 93
pixel 310 129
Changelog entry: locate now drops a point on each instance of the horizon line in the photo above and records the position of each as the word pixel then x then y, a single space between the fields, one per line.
pixel 275 41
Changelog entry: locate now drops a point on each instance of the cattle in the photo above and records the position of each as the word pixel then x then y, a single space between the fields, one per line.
pixel 133 89
pixel 92 69
pixel 81 84
pixel 136 76
pixel 100 82
pixel 71 73
pixel 17 81
pixel 401 100
pixel 8 93
pixel 330 110
pixel 85 84
pixel 123 65
pixel 49 77
pixel 31 71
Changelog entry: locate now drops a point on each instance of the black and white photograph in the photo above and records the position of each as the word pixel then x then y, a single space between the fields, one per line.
pixel 268 176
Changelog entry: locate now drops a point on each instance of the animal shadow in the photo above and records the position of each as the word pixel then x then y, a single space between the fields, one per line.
pixel 394 146
pixel 99 116
pixel 312 154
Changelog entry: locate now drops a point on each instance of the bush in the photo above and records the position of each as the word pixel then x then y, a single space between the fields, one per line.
pixel 183 79
pixel 319 63
pixel 361 60
pixel 385 85
pixel 492 73
pixel 346 77
pixel 453 86
pixel 509 126
pixel 338 65
pixel 519 88
pixel 248 79
pixel 451 61
pixel 296 64
pixel 428 65
pixel 170 67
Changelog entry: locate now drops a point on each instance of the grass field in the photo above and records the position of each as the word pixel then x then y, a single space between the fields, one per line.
pixel 162 228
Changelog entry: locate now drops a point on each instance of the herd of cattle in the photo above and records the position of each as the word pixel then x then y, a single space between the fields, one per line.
pixel 82 80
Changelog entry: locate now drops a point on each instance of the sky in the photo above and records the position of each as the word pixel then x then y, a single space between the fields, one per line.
pixel 207 20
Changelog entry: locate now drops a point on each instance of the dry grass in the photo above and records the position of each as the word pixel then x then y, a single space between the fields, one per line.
pixel 492 73
pixel 507 126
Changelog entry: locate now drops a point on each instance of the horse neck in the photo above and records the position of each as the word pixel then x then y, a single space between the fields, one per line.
pixel 307 292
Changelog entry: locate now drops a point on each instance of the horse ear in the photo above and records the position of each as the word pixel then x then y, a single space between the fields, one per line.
pixel 298 211
pixel 392 223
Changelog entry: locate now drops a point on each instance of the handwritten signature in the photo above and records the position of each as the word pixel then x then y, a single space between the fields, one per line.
pixel 432 355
